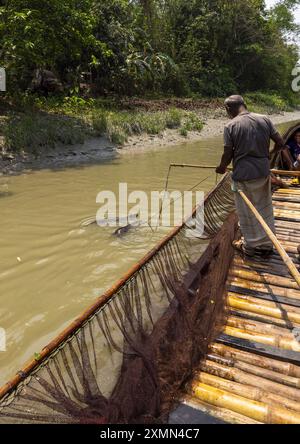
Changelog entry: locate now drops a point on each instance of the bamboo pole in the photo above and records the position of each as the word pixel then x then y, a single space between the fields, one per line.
pixel 286 218
pixel 264 288
pixel 237 375
pixel 285 231
pixel 273 262
pixel 287 192
pixel 292 211
pixel 286 173
pixel 294 224
pixel 291 249
pixel 287 205
pixel 286 213
pixel 288 238
pixel 285 199
pixel 247 391
pixel 292 234
pixel 264 318
pixel 292 246
pixel 255 370
pixel 213 167
pixel 266 308
pixel 254 409
pixel 286 259
pixel 188 165
pixel 290 191
pixel 258 327
pixel 289 225
pixel 284 227
pixel 217 412
pixel 265 278
pixel 268 374
pixel 268 339
pixel 261 361
pixel 259 266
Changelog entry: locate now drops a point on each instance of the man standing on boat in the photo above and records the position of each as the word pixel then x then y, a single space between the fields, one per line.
pixel 247 143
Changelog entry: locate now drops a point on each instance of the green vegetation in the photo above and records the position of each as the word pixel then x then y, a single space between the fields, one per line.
pixel 270 102
pixel 47 123
pixel 38 123
pixel 138 47
pixel 101 51
pixel 33 132
pixel 119 125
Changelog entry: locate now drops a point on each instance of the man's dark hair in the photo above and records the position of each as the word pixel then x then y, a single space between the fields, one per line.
pixel 233 103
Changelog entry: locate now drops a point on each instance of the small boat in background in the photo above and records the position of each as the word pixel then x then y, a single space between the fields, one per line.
pixel 277 159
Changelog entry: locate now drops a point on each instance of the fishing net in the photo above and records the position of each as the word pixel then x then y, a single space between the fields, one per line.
pixel 217 207
pixel 127 361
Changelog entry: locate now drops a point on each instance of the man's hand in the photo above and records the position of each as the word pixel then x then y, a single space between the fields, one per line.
pixel 221 170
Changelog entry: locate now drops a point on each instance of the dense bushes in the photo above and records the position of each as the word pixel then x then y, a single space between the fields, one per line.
pixel 138 47
pixel 101 50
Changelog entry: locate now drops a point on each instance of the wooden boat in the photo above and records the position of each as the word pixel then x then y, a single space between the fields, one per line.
pixel 277 159
pixel 210 330
pixel 252 371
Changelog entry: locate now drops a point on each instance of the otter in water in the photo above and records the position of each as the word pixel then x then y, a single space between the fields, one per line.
pixel 123 230
pixel 119 231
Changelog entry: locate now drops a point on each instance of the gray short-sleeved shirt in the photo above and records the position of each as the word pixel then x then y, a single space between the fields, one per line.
pixel 249 136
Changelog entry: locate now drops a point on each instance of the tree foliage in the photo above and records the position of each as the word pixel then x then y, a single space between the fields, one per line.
pixel 209 47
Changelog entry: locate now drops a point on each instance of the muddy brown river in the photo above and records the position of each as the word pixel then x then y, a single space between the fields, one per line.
pixel 52 268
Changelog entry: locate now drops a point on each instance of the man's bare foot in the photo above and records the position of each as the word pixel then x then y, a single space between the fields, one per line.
pixel 240 247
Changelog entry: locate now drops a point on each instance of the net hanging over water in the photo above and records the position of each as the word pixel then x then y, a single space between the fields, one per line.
pixel 127 358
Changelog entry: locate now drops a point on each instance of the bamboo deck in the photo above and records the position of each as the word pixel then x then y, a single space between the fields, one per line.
pixel 252 371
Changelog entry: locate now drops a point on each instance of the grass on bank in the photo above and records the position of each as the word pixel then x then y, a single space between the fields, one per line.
pixel 120 125
pixel 33 132
pixel 271 103
pixel 44 126
pixel 33 123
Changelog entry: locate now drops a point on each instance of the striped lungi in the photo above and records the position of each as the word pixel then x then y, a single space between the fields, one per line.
pixel 259 193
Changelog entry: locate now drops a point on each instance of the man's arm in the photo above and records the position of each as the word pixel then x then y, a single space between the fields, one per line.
pixel 228 153
pixel 226 160
pixel 279 142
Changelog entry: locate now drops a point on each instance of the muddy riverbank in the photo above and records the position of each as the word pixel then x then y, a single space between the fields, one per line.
pixel 100 149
